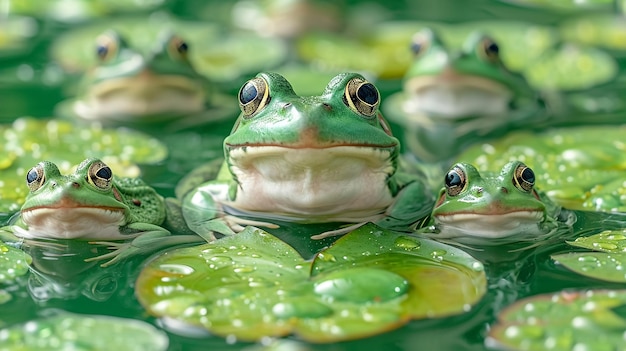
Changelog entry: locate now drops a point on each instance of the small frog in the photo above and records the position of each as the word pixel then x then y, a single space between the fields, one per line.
pixel 132 86
pixel 91 204
pixel 317 159
pixel 450 97
pixel 490 207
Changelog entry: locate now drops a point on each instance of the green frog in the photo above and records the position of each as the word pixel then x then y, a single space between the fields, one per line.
pixel 91 204
pixel 313 159
pixel 491 207
pixel 452 97
pixel 130 85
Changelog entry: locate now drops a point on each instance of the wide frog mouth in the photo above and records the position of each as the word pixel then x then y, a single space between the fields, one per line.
pixel 343 181
pixel 145 94
pixel 452 95
pixel 493 222
pixel 71 219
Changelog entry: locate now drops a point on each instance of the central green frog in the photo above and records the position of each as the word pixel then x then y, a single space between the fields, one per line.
pixel 452 97
pixel 128 84
pixel 492 207
pixel 91 204
pixel 317 159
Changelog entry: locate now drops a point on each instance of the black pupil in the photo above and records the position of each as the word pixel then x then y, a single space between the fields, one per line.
pixel 493 48
pixel 453 179
pixel 102 50
pixel 528 175
pixel 248 93
pixel 32 175
pixel 104 172
pixel 416 47
pixel 368 93
pixel 183 47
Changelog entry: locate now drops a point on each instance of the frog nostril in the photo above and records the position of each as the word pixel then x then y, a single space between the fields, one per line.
pixel 327 107
pixel 504 190
pixel 287 105
pixel 75 185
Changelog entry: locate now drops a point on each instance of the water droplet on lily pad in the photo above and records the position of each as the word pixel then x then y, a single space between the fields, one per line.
pixel 301 308
pixel 361 285
pixel 407 243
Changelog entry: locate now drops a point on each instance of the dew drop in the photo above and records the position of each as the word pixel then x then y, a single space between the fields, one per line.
pixel 301 308
pixel 326 257
pixel 616 237
pixel 407 243
pixel 605 246
pixel 362 285
pixel 587 259
pixel 177 269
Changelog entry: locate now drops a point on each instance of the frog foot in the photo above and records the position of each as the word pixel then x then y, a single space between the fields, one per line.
pixel 340 231
pixel 238 224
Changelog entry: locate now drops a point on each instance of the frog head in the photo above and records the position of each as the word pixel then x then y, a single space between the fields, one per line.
pixel 128 82
pixel 489 205
pixel 470 81
pixel 72 206
pixel 311 154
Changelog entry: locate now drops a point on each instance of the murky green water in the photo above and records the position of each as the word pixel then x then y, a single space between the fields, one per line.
pixel 61 280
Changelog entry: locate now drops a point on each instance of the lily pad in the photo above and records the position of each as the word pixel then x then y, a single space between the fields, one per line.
pixel 579 168
pixel 602 30
pixel 77 10
pixel 27 141
pixel 567 5
pixel 253 285
pixel 571 67
pixel 13 263
pixel 578 320
pixel 609 264
pixel 68 331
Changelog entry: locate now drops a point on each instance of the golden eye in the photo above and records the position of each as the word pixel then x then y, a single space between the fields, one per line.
pixel 524 178
pixel 178 48
pixel 36 177
pixel 362 97
pixel 254 95
pixel 100 175
pixel 421 41
pixel 455 181
pixel 489 49
pixel 107 45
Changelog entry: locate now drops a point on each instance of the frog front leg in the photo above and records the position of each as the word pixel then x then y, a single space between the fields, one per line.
pixel 149 238
pixel 205 216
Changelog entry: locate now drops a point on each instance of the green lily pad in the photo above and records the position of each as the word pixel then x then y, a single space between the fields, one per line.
pixel 608 264
pixel 28 141
pixel 602 30
pixel 13 263
pixel 579 168
pixel 68 331
pixel 571 67
pixel 567 5
pixel 579 320
pixel 253 285
pixel 80 9
pixel 16 34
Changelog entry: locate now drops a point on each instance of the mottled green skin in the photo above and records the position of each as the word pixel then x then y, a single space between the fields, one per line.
pixel 317 127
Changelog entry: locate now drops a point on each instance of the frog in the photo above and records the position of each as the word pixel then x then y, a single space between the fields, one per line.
pixel 129 85
pixel 491 207
pixel 123 213
pixel 450 97
pixel 307 159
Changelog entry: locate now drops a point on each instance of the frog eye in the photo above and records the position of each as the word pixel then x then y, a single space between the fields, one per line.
pixel 489 49
pixel 524 178
pixel 178 47
pixel 362 97
pixel 106 46
pixel 253 96
pixel 35 177
pixel 455 181
pixel 420 42
pixel 100 175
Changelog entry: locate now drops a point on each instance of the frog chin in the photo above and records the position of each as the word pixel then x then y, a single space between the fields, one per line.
pixel 141 96
pixel 455 96
pixel 72 223
pixel 339 181
pixel 491 226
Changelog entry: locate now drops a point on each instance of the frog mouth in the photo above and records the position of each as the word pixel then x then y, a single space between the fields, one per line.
pixel 313 181
pixel 452 96
pixel 143 95
pixel 490 225
pixel 72 222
